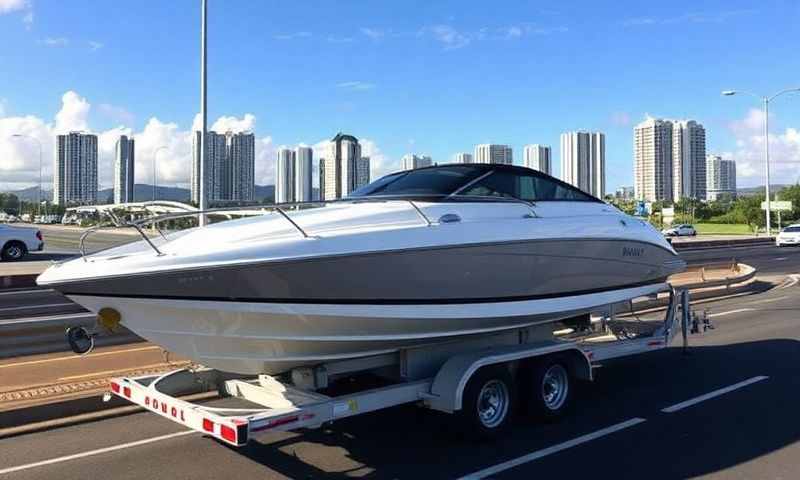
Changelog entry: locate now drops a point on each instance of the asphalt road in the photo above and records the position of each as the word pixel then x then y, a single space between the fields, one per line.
pixel 632 422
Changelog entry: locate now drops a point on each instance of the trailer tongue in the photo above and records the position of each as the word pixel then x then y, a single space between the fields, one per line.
pixel 477 379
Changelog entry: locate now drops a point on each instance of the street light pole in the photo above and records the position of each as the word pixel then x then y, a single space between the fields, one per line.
pixel 155 156
pixel 39 193
pixel 765 100
pixel 203 113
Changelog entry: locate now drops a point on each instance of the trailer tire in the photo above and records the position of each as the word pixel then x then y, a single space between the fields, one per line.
pixel 547 388
pixel 488 403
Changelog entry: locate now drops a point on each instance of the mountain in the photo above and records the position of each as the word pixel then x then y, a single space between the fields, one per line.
pixel 773 189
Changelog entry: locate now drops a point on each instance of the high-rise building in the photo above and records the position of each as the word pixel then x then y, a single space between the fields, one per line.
pixel 214 167
pixel 344 168
pixel 124 162
pixel 652 165
pixel 538 158
pixel 229 169
pixel 303 174
pixel 285 176
pixel 240 178
pixel 321 190
pixel 75 169
pixel 625 193
pixel 721 177
pixel 362 172
pixel 583 161
pixel 492 153
pixel 464 158
pixel 688 160
pixel 411 161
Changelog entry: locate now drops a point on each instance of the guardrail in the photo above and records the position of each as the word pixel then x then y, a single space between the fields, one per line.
pixel 47 335
pixel 739 273
pixel 734 242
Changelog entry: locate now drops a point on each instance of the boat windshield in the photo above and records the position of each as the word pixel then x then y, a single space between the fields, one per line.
pixel 468 182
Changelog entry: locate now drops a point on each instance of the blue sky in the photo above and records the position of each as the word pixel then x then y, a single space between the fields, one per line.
pixel 427 77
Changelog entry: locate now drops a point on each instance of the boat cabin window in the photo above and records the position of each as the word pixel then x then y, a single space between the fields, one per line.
pixel 528 187
pixel 461 181
pixel 421 182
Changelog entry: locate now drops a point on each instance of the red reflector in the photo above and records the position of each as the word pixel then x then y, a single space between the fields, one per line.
pixel 228 433
pixel 126 391
pixel 654 343
pixel 208 425
pixel 115 387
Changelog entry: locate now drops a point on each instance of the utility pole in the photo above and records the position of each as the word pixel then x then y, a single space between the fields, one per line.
pixel 203 113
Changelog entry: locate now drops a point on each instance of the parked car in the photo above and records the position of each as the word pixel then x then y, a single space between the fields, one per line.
pixel 684 230
pixel 15 242
pixel 789 236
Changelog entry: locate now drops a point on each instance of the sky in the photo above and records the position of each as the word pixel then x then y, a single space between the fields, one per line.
pixel 427 77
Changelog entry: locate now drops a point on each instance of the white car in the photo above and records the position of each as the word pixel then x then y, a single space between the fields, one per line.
pixel 680 231
pixel 15 242
pixel 789 236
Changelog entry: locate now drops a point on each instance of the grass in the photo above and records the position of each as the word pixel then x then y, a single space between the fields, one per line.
pixel 722 229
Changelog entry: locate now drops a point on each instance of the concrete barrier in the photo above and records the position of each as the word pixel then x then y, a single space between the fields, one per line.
pixel 737 242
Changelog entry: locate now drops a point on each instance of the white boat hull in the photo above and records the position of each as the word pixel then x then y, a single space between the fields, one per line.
pixel 253 338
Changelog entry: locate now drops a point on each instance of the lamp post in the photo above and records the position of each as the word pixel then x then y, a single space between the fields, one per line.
pixel 203 113
pixel 765 100
pixel 155 156
pixel 39 193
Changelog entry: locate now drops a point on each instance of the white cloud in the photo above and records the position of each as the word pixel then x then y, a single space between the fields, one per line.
pixel 95 46
pixel 20 165
pixel 513 32
pixel 3 107
pixel 28 19
pixel 292 36
pixel 8 6
pixel 56 41
pixel 692 17
pixel 749 154
pixel 118 114
pixel 74 113
pixel 373 33
pixel 449 37
pixel 356 85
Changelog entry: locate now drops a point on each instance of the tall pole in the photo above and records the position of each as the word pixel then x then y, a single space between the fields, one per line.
pixel 766 160
pixel 203 113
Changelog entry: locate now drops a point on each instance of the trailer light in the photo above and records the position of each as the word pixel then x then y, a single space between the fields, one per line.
pixel 228 433
pixel 654 343
pixel 115 387
pixel 126 391
pixel 208 425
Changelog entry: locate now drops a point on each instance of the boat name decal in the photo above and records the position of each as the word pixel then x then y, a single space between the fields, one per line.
pixel 632 252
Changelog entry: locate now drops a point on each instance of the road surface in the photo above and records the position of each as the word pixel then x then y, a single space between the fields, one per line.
pixel 727 410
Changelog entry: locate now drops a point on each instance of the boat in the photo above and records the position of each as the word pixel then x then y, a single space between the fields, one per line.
pixel 413 258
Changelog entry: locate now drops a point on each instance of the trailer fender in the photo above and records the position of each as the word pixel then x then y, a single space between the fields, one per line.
pixel 450 381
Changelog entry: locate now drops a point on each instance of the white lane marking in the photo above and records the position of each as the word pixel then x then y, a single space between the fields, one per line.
pixel 794 279
pixel 72 357
pixel 770 299
pixel 715 393
pixel 28 292
pixel 781 258
pixel 740 310
pixel 500 467
pixel 29 307
pixel 94 452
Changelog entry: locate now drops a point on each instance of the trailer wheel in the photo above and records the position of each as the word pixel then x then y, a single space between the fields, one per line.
pixel 547 389
pixel 488 403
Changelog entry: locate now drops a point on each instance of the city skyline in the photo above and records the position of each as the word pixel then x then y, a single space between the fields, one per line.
pixel 360 95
